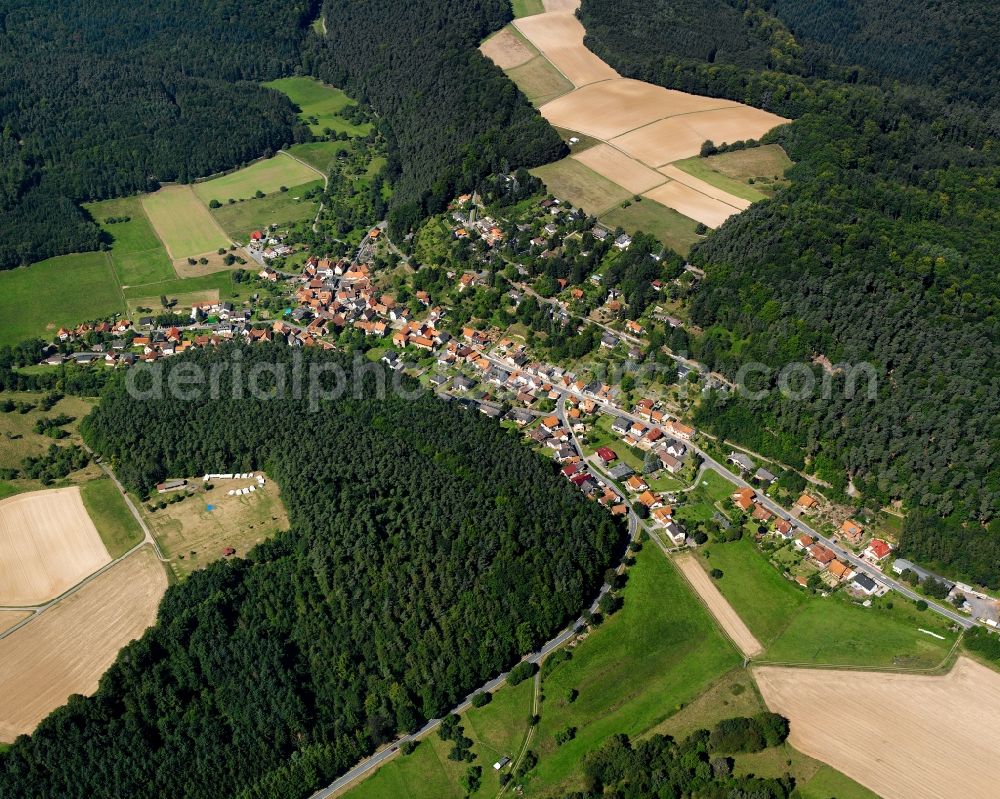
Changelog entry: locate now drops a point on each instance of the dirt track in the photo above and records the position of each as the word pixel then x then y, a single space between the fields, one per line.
pixel 8 618
pixel 48 543
pixel 66 649
pixel 719 607
pixel 903 736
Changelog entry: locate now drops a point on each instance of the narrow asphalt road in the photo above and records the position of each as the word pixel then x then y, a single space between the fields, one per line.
pixel 389 751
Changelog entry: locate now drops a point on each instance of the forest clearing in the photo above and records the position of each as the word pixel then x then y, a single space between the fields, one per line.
pixel 903 736
pixel 197 530
pixel 65 650
pixel 48 544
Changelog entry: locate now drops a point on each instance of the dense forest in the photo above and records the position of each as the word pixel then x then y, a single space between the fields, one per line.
pixel 99 98
pixel 882 250
pixel 450 115
pixel 427 551
pixel 950 45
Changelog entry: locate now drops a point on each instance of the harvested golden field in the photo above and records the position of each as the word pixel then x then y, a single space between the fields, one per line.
pixel 903 736
pixel 8 618
pixel 723 612
pixel 66 649
pixel 739 122
pixel 507 49
pixel 691 203
pixel 611 108
pixel 639 127
pixel 704 187
pixel 192 533
pixel 48 544
pixel 619 168
pixel 559 37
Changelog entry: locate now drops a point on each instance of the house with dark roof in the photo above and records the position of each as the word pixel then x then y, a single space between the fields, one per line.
pixel 865 584
pixel 741 461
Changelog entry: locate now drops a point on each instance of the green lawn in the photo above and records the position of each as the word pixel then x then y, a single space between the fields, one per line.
pixel 600 435
pixel 797 627
pixel 526 8
pixel 497 729
pixel 539 81
pixel 319 102
pixel 827 783
pixel 183 222
pixel 239 219
pixel 267 176
pixel 643 664
pixel 118 528
pixel 673 229
pixel 136 251
pixel 36 300
pixel 766 166
pixel 319 154
pixel 716 487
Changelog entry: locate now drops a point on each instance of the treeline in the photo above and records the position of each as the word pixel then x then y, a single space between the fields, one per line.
pixel 427 552
pixel 450 116
pixel 880 252
pixel 98 100
pixel 697 766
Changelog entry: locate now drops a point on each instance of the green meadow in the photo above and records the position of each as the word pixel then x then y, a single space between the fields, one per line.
pixel 106 507
pixel 673 229
pixel 319 105
pixel 658 653
pixel 136 251
pixel 241 218
pixel 797 627
pixel 497 730
pixel 266 176
pixel 319 154
pixel 58 292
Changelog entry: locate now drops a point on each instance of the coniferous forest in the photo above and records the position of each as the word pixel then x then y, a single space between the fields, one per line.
pixel 882 250
pixel 451 116
pixel 103 99
pixel 428 550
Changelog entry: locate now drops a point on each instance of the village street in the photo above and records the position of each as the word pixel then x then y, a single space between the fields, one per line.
pixel 856 562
